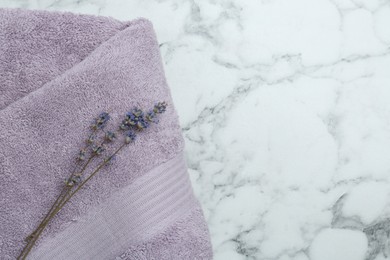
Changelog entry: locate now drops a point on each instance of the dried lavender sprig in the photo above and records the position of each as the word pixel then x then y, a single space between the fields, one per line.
pixel 142 124
pixel 136 119
pixel 101 121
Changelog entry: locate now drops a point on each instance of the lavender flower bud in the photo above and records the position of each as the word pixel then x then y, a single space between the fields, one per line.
pixel 135 118
pixel 81 156
pixel 130 137
pixel 73 180
pixel 76 178
pixel 151 117
pixel 98 149
pixel 142 124
pixel 110 136
pixel 101 121
pixel 160 107
pixel 137 112
pixel 69 182
pixel 91 139
pixel 125 125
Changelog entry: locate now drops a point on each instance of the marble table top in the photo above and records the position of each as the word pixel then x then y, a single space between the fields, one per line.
pixel 285 109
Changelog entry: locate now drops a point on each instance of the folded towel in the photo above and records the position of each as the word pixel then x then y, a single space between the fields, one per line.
pixel 59 70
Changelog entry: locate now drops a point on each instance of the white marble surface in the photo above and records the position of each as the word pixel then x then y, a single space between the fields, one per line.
pixel 285 107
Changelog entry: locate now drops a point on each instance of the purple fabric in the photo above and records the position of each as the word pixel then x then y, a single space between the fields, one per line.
pixel 58 71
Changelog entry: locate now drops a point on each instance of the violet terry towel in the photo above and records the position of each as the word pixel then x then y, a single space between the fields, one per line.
pixel 58 71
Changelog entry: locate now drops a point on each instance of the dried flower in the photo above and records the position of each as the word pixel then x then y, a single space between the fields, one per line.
pixel 151 117
pixel 98 149
pixel 142 124
pixel 134 121
pixel 76 178
pixel 73 180
pixel 91 139
pixel 110 136
pixel 81 156
pixel 160 107
pixel 124 125
pixel 101 121
pixel 69 183
pixel 130 137
pixel 134 118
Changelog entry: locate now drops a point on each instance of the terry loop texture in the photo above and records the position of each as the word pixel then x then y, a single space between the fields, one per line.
pixel 58 71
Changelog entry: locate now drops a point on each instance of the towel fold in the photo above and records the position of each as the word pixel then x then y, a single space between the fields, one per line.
pixel 58 71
